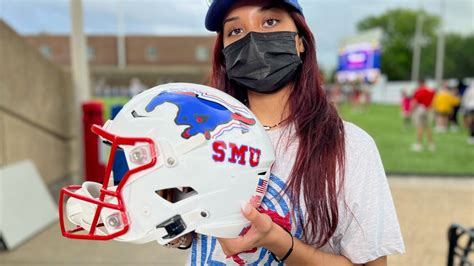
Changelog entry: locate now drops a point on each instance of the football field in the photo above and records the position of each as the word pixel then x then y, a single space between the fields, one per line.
pixel 453 156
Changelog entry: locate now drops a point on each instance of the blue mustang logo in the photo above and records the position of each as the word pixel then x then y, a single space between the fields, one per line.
pixel 201 115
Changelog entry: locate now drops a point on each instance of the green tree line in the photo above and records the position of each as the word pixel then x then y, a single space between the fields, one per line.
pixel 397 45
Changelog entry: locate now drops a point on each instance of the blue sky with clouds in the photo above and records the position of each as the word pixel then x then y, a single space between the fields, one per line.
pixel 331 20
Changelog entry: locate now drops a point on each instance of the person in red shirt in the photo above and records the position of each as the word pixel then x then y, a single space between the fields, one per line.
pixel 406 109
pixel 422 116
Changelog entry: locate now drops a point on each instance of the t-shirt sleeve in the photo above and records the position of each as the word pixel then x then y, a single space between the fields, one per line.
pixel 370 228
pixel 416 96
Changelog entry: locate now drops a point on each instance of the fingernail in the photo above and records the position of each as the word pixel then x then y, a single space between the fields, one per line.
pixel 246 208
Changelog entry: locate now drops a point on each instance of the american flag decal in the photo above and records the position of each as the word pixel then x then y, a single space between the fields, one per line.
pixel 262 186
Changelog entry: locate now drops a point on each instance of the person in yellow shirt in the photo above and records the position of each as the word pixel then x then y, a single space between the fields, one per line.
pixel 443 104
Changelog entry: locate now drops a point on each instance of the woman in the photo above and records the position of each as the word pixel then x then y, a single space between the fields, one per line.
pixel 328 202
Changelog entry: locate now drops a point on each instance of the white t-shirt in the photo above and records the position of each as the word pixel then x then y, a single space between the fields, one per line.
pixel 468 98
pixel 368 227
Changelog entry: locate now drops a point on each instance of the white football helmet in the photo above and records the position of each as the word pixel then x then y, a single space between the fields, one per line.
pixel 201 144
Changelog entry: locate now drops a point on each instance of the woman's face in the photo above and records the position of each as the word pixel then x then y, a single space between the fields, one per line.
pixel 257 16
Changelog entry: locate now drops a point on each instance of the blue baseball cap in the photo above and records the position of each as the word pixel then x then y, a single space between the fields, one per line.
pixel 219 8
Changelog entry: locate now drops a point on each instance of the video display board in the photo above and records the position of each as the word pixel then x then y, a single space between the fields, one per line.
pixel 359 57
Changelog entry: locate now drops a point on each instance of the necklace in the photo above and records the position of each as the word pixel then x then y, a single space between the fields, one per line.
pixel 270 127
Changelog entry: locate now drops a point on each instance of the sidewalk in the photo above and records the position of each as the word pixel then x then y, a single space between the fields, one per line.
pixel 425 206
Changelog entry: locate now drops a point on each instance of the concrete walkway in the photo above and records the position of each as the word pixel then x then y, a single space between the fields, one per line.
pixel 426 207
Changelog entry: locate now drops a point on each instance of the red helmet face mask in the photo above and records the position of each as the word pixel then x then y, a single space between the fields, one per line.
pixel 97 200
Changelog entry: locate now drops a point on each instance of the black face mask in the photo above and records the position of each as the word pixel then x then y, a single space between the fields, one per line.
pixel 263 62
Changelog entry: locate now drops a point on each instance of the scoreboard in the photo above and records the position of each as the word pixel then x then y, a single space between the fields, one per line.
pixel 359 57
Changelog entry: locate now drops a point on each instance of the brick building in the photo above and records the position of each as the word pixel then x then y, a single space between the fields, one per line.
pixel 152 59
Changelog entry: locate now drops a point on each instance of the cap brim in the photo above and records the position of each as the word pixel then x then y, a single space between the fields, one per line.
pixel 216 13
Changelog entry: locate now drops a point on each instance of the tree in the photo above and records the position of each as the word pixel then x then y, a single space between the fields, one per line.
pixel 459 58
pixel 397 43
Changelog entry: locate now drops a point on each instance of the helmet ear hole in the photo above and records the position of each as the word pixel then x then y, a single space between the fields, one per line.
pixel 176 194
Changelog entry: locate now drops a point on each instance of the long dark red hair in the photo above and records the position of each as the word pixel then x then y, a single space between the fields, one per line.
pixel 319 163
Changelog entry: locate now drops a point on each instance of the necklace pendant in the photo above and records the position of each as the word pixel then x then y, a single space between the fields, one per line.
pixel 270 127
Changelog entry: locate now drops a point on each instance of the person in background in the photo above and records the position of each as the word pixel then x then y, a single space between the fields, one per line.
pixel 355 97
pixel 422 116
pixel 462 87
pixel 364 97
pixel 468 108
pixel 453 118
pixel 459 91
pixel 406 109
pixel 136 87
pixel 443 104
pixel 336 96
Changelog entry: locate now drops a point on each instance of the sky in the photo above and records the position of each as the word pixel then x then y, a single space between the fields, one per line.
pixel 330 20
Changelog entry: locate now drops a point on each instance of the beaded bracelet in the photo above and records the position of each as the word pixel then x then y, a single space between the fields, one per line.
pixel 289 251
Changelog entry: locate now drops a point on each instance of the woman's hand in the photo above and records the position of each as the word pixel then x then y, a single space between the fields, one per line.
pixel 258 235
pixel 263 232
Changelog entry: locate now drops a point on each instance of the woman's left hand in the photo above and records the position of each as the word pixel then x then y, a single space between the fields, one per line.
pixel 258 235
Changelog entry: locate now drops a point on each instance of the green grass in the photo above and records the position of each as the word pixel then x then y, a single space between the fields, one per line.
pixel 453 156
pixel 383 122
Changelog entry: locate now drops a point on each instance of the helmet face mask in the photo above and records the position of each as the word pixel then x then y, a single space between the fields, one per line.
pixel 194 155
pixel 106 197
